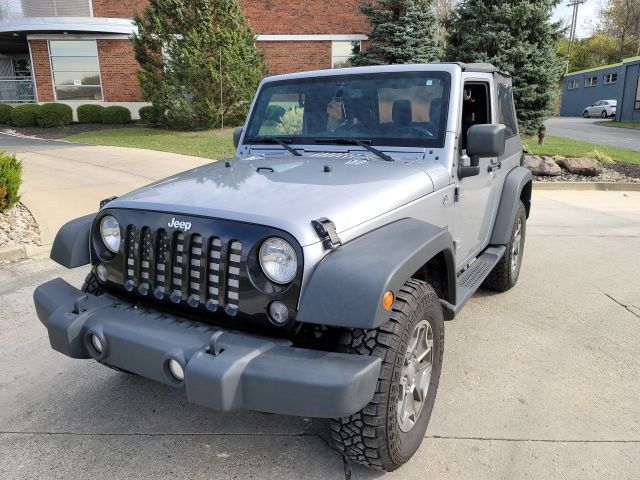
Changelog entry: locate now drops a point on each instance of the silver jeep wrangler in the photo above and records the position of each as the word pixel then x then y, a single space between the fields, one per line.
pixel 311 274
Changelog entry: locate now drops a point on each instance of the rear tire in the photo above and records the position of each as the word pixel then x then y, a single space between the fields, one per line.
pixel 505 274
pixel 385 434
pixel 604 114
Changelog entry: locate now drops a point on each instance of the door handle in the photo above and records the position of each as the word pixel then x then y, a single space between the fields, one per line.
pixel 494 166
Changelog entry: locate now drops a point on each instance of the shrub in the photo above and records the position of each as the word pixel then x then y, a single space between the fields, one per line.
pixel 116 115
pixel 291 122
pixel 150 114
pixel 25 115
pixel 10 179
pixel 5 113
pixel 54 115
pixel 600 157
pixel 90 113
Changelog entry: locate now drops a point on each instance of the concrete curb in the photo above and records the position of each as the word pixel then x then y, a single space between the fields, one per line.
pixel 583 186
pixel 12 254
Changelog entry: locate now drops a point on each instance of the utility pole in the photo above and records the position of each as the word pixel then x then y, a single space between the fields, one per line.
pixel 574 23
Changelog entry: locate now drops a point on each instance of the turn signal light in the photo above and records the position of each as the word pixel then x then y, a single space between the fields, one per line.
pixel 387 300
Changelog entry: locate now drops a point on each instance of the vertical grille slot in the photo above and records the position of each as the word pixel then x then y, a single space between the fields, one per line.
pixel 145 260
pixel 195 268
pixel 213 274
pixel 233 278
pixel 162 247
pixel 130 270
pixel 177 265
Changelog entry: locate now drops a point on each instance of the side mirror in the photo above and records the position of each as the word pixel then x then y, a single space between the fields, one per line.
pixel 482 141
pixel 485 141
pixel 237 133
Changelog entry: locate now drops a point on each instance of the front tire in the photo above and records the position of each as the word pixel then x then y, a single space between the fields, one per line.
pixel 505 274
pixel 585 114
pixel 388 431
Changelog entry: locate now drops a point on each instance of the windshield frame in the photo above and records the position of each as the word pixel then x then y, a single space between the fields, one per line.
pixel 435 142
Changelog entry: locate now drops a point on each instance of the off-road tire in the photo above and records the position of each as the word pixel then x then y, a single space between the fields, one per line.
pixel 373 436
pixel 92 285
pixel 503 277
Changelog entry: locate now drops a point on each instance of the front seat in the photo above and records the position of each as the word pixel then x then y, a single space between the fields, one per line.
pixel 402 114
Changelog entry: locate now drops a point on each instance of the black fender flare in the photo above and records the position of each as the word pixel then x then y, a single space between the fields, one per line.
pixel 518 180
pixel 71 247
pixel 347 286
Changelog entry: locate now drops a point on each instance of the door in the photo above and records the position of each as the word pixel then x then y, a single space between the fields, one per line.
pixel 595 109
pixel 476 200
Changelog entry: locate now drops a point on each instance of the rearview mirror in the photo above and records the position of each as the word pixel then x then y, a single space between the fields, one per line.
pixel 485 141
pixel 237 133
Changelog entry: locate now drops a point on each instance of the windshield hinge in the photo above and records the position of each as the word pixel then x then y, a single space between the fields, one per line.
pixel 326 230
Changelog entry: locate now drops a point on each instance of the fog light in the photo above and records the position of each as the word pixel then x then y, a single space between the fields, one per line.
pixel 96 342
pixel 278 313
pixel 176 370
pixel 101 272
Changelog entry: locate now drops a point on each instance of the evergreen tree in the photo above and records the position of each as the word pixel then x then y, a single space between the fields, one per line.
pixel 402 31
pixel 192 53
pixel 518 37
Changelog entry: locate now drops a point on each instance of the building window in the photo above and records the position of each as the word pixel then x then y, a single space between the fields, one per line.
pixel 573 84
pixel 610 78
pixel 637 104
pixel 590 81
pixel 74 65
pixel 341 53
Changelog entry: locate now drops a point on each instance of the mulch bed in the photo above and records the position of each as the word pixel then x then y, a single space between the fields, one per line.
pixel 626 169
pixel 61 132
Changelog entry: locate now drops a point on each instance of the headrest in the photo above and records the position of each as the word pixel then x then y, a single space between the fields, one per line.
pixel 402 113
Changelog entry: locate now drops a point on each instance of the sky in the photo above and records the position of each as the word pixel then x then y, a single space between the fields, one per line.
pixel 586 15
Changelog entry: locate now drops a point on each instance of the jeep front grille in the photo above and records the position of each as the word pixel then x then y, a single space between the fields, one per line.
pixel 185 268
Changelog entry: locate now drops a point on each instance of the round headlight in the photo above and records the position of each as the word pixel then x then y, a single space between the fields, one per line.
pixel 278 260
pixel 110 233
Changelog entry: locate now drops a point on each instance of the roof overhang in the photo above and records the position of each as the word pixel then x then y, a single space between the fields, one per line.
pixel 68 24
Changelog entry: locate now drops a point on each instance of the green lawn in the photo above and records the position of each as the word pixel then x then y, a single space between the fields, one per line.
pixel 620 124
pixel 576 148
pixel 215 144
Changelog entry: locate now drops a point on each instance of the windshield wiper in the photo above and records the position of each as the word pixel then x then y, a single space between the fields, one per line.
pixel 282 142
pixel 354 141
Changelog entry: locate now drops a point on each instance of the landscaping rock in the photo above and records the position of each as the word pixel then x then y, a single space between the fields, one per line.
pixel 542 166
pixel 18 228
pixel 586 167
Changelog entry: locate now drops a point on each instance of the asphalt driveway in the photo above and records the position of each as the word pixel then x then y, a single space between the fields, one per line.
pixel 540 382
pixel 588 130
pixel 62 180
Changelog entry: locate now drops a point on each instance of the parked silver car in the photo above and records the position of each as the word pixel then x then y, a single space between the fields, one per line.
pixel 601 108
pixel 311 274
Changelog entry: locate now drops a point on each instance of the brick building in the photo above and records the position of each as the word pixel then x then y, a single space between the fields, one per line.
pixel 78 51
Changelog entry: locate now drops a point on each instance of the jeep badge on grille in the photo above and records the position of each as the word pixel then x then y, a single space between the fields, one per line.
pixel 185 226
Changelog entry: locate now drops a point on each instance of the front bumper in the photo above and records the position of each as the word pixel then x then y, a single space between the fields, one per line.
pixel 224 370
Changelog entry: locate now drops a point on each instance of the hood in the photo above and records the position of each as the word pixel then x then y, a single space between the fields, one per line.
pixel 287 192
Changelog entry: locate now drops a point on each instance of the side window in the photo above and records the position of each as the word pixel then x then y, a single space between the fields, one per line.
pixel 507 110
pixel 476 107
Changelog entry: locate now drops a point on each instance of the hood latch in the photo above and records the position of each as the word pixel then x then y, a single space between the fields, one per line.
pixel 326 230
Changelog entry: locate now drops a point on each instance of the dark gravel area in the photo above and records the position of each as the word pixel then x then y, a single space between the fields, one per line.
pixel 61 132
pixel 627 169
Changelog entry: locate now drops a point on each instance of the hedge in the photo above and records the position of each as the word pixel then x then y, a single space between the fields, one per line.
pixel 10 179
pixel 150 114
pixel 90 113
pixel 5 113
pixel 54 115
pixel 25 115
pixel 116 115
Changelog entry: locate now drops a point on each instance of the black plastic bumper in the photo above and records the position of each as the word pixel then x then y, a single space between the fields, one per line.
pixel 224 370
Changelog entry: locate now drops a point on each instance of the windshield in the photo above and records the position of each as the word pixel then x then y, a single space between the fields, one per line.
pixel 392 109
